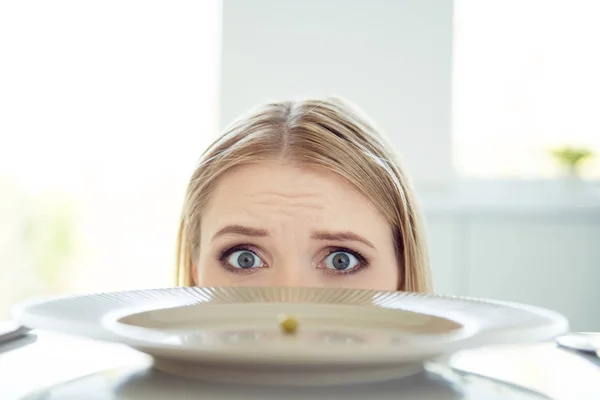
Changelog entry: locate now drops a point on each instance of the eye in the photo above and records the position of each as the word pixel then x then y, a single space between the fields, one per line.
pixel 244 259
pixel 341 261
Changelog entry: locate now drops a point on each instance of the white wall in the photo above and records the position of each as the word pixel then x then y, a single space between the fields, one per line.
pixel 392 58
pixel 527 242
pixel 546 261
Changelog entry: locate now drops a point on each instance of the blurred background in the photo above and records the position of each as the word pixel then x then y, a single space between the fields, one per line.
pixel 106 106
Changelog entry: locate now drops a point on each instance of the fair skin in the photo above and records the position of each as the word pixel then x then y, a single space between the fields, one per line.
pixel 276 224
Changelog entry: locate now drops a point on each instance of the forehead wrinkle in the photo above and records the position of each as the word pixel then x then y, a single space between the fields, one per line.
pixel 291 200
pixel 288 207
pixel 290 194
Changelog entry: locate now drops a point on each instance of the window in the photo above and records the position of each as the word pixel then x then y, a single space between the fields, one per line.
pixel 106 106
pixel 526 80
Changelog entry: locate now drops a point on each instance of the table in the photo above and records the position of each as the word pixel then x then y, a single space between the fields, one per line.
pixel 75 368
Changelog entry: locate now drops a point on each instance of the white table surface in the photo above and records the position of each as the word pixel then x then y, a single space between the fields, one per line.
pixel 52 366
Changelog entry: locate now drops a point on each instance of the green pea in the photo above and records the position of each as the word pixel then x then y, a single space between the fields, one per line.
pixel 288 324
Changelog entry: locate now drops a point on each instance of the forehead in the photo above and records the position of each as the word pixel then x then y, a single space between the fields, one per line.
pixel 272 191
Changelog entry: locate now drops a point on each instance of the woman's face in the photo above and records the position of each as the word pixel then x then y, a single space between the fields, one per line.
pixel 275 224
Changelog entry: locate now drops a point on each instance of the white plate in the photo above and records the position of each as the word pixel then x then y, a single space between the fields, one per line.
pixel 233 334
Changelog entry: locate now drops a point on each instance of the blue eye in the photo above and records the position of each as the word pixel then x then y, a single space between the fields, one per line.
pixel 244 259
pixel 341 261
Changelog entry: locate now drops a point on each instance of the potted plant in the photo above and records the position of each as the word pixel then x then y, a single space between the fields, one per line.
pixel 571 157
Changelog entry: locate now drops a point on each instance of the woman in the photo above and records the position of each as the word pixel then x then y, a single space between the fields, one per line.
pixel 302 193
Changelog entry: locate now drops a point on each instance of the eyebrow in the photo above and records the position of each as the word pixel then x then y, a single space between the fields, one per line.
pixel 240 230
pixel 341 236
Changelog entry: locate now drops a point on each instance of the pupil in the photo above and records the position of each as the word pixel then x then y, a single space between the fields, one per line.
pixel 341 261
pixel 246 260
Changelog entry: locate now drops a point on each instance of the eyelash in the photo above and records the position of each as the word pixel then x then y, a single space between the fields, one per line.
pixel 363 262
pixel 229 251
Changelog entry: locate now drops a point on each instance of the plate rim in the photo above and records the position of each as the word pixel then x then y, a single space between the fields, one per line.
pixel 555 324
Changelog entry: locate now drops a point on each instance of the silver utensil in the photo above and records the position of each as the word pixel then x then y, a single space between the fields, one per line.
pixel 588 343
pixel 11 331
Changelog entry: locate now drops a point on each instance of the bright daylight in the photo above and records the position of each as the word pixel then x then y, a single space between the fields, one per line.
pixel 263 199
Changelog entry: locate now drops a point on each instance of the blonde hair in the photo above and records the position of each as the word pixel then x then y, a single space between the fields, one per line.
pixel 329 134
